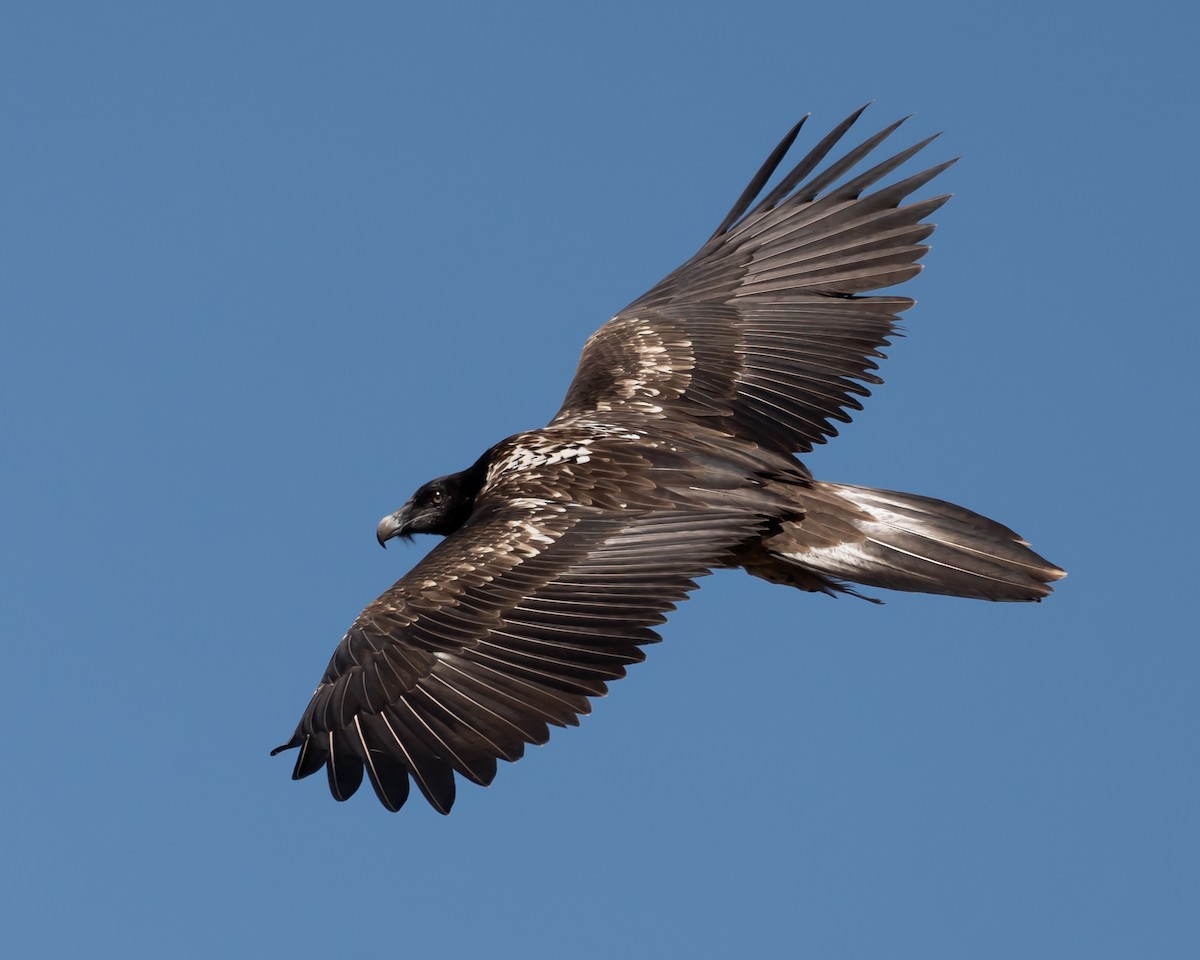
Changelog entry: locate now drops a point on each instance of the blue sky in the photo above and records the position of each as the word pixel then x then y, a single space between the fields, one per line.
pixel 268 267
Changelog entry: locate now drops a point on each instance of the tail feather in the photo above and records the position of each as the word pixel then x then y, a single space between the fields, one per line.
pixel 900 541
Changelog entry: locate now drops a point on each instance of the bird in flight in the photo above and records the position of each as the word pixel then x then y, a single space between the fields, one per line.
pixel 673 454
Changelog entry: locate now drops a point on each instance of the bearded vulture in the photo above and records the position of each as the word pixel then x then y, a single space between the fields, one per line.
pixel 672 455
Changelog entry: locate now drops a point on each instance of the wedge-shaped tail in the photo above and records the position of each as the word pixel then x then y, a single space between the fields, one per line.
pixel 900 541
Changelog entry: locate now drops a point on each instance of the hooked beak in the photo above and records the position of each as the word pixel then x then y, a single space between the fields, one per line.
pixel 393 525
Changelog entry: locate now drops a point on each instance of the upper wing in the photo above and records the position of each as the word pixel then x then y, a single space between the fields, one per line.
pixel 763 328
pixel 507 625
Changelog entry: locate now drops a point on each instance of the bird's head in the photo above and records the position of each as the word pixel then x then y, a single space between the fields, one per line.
pixel 440 506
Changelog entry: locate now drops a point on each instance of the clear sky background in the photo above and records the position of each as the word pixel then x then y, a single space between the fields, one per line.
pixel 266 267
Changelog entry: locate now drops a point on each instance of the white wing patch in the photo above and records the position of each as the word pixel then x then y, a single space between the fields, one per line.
pixel 538 451
pixel 843 556
pixel 657 371
pixel 529 533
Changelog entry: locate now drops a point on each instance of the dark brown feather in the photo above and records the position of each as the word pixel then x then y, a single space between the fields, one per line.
pixel 750 330
pixel 494 658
